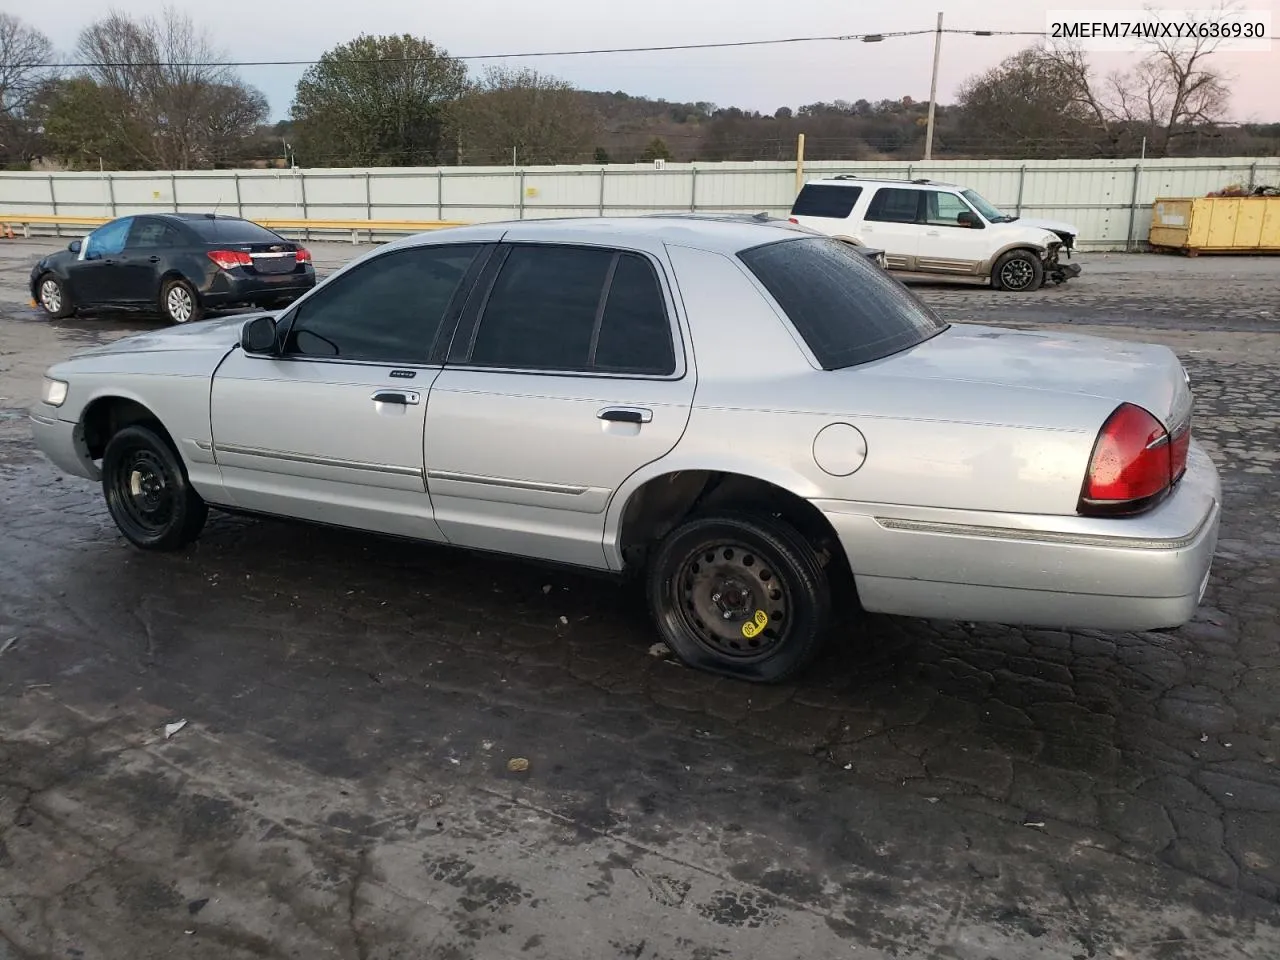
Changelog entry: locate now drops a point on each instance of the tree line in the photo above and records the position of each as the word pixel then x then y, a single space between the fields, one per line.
pixel 156 93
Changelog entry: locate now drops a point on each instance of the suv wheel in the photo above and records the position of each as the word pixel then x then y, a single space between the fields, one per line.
pixel 147 492
pixel 739 595
pixel 1019 271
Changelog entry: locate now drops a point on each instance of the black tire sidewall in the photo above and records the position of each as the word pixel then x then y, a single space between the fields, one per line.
pixel 792 558
pixel 196 310
pixel 1037 269
pixel 189 510
pixel 62 289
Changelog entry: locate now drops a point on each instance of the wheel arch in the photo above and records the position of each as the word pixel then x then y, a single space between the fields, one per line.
pixel 105 415
pixel 649 507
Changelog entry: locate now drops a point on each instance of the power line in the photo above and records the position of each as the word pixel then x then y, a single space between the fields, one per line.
pixel 723 45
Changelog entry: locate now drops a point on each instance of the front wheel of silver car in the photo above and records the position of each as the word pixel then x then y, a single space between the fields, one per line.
pixel 1018 271
pixel 740 595
pixel 53 297
pixel 179 302
pixel 147 491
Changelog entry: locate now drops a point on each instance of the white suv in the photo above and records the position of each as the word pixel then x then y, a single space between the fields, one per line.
pixel 939 229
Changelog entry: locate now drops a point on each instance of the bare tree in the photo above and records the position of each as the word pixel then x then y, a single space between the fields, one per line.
pixel 542 118
pixel 25 54
pixel 180 105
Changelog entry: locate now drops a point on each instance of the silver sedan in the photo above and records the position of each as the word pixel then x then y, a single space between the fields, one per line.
pixel 753 420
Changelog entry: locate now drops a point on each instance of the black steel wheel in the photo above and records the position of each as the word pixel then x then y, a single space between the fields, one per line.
pixel 1018 271
pixel 53 297
pixel 147 492
pixel 740 595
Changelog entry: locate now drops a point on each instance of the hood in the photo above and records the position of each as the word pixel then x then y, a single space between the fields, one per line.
pixel 1053 226
pixel 1147 374
pixel 221 334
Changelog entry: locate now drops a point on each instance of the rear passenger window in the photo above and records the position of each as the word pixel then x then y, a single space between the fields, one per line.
pixel 892 205
pixel 825 200
pixel 575 309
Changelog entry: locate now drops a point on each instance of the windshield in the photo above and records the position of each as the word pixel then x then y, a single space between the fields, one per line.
pixel 988 210
pixel 848 310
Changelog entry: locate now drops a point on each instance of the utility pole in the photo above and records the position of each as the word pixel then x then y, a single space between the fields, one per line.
pixel 933 90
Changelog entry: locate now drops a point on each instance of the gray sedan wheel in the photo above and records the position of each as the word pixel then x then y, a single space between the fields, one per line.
pixel 179 302
pixel 53 297
pixel 741 595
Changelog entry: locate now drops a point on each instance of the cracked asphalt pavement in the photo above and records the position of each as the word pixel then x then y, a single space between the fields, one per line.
pixel 342 787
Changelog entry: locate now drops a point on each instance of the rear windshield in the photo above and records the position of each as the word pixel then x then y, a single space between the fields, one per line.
pixel 848 310
pixel 825 200
pixel 232 231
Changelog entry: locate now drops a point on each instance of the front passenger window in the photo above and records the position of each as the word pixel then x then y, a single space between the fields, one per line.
pixel 386 310
pixel 107 240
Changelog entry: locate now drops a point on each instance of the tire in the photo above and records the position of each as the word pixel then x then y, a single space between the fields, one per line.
pixel 52 295
pixel 147 491
pixel 1019 271
pixel 179 302
pixel 754 555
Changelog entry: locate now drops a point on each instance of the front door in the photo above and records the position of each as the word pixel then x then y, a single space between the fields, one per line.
pixel 331 428
pixel 949 244
pixel 97 277
pixel 567 375
pixel 892 223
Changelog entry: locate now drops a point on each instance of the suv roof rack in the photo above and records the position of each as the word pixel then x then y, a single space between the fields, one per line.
pixel 854 176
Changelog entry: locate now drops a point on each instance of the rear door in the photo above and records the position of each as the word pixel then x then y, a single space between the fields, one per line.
pixel 567 374
pixel 894 223
pixel 147 252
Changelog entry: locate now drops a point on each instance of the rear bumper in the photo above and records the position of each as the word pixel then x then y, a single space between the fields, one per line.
pixel 1139 573
pixel 226 288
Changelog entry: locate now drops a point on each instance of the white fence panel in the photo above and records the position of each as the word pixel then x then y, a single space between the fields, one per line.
pixel 1109 200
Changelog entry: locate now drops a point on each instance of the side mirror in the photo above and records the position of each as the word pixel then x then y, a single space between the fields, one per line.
pixel 967 218
pixel 74 246
pixel 259 335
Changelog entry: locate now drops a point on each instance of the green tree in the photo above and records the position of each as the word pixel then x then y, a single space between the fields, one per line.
pixel 86 125
pixel 543 119
pixel 656 150
pixel 379 101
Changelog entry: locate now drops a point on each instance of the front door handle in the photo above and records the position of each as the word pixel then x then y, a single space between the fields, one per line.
pixel 153 259
pixel 626 414
pixel 402 397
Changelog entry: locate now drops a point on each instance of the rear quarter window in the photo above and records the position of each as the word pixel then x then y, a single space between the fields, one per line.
pixel 847 310
pixel 232 231
pixel 825 200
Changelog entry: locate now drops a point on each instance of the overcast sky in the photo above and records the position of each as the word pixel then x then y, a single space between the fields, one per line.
pixel 761 78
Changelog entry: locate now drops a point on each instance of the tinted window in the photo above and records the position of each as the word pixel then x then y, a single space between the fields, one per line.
pixel 154 233
pixel 542 311
pixel 231 230
pixel 635 334
pixel 388 309
pixel 847 310
pixel 894 206
pixel 107 239
pixel 825 200
pixel 944 209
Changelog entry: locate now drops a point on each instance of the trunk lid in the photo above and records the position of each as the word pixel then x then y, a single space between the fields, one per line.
pixel 1146 374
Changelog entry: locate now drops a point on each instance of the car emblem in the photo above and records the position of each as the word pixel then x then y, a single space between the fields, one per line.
pixel 277 248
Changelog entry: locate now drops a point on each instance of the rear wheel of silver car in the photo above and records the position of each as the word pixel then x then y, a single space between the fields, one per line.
pixel 740 595
pixel 179 302
pixel 53 297
pixel 1019 271
pixel 147 491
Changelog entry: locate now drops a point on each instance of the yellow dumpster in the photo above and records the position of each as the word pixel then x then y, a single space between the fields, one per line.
pixel 1216 224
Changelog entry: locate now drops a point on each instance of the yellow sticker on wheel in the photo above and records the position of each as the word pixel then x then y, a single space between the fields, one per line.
pixel 755 624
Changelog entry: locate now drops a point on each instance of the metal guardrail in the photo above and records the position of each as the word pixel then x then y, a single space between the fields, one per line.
pixel 25 221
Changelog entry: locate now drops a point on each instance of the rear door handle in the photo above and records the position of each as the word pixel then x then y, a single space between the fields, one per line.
pixel 626 414
pixel 402 397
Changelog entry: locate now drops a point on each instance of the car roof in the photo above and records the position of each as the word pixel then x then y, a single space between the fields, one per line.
pixel 850 180
pixel 720 234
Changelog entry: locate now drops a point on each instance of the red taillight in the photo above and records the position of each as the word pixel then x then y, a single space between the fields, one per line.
pixel 1132 463
pixel 304 255
pixel 793 220
pixel 227 259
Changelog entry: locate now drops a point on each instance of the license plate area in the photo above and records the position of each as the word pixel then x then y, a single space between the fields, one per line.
pixel 274 263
